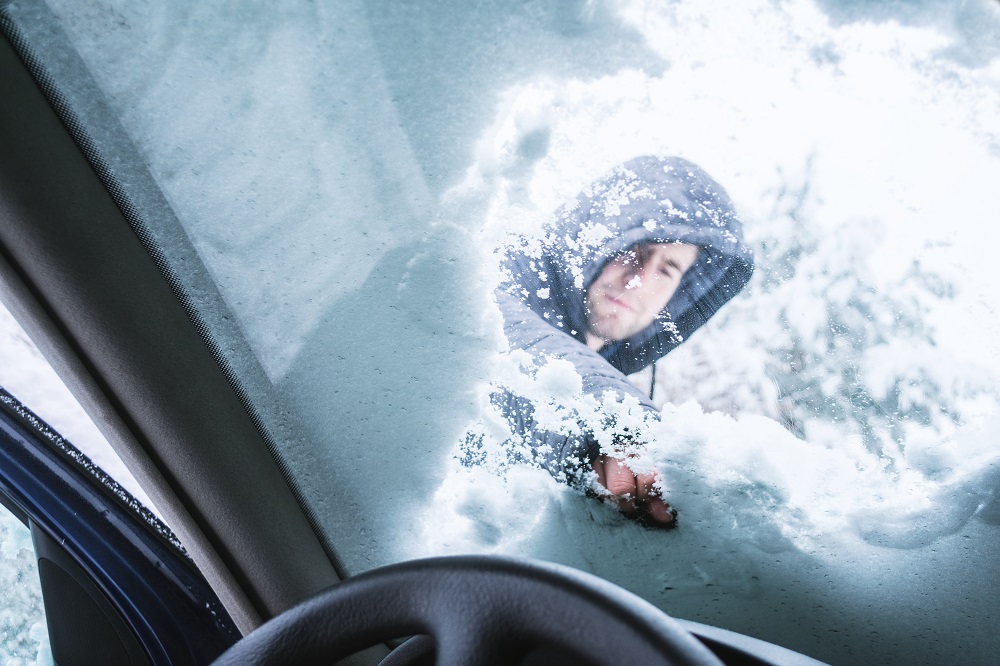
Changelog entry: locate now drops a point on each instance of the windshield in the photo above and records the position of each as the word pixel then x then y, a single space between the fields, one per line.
pixel 348 191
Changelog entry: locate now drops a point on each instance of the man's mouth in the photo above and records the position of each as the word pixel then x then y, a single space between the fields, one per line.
pixel 619 303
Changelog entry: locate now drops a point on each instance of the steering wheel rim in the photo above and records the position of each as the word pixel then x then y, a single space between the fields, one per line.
pixel 479 610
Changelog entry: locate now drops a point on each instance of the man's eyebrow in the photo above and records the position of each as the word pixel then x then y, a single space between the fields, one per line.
pixel 673 262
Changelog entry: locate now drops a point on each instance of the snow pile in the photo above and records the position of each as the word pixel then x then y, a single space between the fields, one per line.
pixel 867 327
pixel 841 416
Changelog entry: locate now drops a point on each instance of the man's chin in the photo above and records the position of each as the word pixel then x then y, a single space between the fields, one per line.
pixel 615 336
pixel 613 329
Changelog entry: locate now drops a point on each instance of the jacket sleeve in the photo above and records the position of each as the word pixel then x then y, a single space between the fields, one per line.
pixel 561 453
pixel 528 331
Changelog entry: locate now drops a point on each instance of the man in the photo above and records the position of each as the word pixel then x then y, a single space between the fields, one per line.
pixel 643 258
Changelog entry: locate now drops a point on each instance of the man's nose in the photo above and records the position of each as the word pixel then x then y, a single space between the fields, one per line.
pixel 636 276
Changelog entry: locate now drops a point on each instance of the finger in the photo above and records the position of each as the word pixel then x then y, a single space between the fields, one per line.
pixel 660 511
pixel 620 479
pixel 644 490
pixel 602 467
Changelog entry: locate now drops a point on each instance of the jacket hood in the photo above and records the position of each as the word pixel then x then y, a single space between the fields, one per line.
pixel 646 200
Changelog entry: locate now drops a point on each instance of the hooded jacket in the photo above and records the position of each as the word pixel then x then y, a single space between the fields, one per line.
pixel 543 298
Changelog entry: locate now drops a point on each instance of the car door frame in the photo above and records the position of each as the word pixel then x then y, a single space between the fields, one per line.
pixel 117 586
pixel 80 276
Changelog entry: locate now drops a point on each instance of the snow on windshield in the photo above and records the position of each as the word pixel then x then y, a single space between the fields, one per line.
pixel 338 178
pixel 830 437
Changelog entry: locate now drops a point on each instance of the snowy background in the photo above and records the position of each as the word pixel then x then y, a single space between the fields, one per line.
pixel 830 437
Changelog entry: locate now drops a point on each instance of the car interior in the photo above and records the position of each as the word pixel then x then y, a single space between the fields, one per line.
pixel 217 374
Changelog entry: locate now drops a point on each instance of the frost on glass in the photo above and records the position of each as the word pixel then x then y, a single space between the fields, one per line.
pixel 23 634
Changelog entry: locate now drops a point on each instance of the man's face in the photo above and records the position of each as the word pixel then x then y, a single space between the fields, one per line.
pixel 634 287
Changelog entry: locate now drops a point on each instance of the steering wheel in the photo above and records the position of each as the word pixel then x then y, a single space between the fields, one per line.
pixel 478 610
